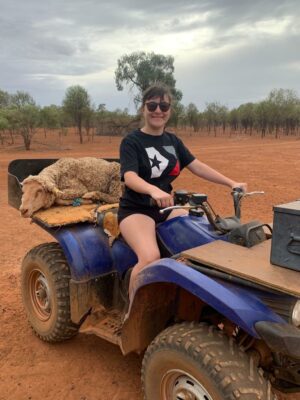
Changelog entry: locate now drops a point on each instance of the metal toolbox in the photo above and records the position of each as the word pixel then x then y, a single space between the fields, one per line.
pixel 285 249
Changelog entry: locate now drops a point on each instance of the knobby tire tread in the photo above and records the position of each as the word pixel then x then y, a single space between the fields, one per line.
pixel 53 256
pixel 233 372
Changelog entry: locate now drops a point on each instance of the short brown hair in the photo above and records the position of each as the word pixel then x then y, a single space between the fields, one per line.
pixel 156 90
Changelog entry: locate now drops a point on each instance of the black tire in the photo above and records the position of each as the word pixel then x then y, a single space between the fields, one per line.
pixel 45 291
pixel 197 361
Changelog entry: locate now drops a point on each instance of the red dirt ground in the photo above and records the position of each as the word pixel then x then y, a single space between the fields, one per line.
pixel 88 368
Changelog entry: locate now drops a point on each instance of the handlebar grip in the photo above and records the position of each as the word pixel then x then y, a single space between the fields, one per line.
pixel 237 190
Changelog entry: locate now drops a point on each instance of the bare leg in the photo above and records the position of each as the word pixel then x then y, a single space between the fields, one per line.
pixel 139 232
pixel 177 212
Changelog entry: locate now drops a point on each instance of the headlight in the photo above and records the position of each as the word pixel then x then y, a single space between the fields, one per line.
pixel 296 314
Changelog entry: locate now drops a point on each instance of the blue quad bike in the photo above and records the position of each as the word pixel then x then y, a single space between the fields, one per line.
pixel 206 332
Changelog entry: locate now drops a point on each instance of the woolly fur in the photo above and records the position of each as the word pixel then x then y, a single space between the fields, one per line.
pixel 70 178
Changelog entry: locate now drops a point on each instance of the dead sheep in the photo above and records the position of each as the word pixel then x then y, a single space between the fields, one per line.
pixel 88 179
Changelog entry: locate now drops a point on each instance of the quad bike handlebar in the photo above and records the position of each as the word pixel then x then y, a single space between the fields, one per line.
pixel 238 195
pixel 198 205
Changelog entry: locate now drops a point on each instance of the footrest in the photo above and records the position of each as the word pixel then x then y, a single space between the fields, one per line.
pixel 105 324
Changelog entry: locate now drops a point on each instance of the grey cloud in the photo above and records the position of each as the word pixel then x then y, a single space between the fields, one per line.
pixel 242 75
pixel 43 41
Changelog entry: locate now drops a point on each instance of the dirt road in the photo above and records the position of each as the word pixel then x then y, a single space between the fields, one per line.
pixel 88 368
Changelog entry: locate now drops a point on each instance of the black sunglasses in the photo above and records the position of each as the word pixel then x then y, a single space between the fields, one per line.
pixel 163 105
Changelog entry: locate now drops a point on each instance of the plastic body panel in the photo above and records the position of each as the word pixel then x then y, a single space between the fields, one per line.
pixel 89 255
pixel 88 252
pixel 237 303
pixel 185 232
pixel 281 338
pixel 86 249
pixel 123 257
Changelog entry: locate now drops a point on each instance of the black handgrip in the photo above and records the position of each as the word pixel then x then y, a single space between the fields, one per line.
pixel 237 189
pixel 237 195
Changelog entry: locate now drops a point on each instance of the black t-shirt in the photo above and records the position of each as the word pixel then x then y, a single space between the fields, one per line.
pixel 156 159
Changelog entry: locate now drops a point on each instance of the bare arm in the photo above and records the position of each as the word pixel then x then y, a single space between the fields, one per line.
pixel 204 171
pixel 139 185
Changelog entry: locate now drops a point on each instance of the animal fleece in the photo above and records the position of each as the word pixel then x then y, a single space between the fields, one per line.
pixel 87 178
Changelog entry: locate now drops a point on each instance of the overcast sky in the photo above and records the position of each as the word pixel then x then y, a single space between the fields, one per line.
pixel 230 51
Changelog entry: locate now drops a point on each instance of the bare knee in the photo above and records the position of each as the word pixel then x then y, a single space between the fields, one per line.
pixel 143 260
pixel 148 257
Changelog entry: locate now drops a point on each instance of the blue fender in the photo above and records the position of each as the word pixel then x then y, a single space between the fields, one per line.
pixel 86 249
pixel 88 252
pixel 235 302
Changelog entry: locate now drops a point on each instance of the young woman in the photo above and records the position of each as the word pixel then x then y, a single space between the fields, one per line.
pixel 151 158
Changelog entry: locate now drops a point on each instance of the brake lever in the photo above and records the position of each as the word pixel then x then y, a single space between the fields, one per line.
pixel 163 210
pixel 252 193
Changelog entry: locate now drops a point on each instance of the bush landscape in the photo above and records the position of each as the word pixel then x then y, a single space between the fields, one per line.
pixel 255 142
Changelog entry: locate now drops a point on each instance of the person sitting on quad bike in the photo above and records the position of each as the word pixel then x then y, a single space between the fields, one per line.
pixel 151 158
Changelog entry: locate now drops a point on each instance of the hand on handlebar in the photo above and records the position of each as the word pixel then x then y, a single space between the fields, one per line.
pixel 161 198
pixel 239 185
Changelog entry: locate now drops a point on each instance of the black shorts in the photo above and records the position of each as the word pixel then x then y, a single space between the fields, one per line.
pixel 152 212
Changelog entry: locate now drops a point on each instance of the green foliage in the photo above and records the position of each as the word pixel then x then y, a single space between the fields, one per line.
pixel 215 115
pixel 4 124
pixel 177 114
pixel 4 99
pixel 246 113
pixel 278 114
pixel 115 123
pixel 77 105
pixel 192 116
pixel 139 70
pixel 21 116
pixel 233 119
pixel 21 99
pixel 51 117
pixel 28 119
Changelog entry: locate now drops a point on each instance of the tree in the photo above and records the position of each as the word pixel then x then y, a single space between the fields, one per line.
pixel 177 114
pixel 282 103
pixel 4 99
pixel 247 116
pixel 21 99
pixel 192 115
pixel 215 115
pixel 262 116
pixel 50 117
pixel 23 116
pixel 28 117
pixel 77 104
pixel 11 115
pixel 89 122
pixel 3 127
pixel 233 119
pixel 139 70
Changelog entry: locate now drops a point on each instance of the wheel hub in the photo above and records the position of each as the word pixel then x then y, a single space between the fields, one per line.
pixel 43 293
pixel 40 295
pixel 178 385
